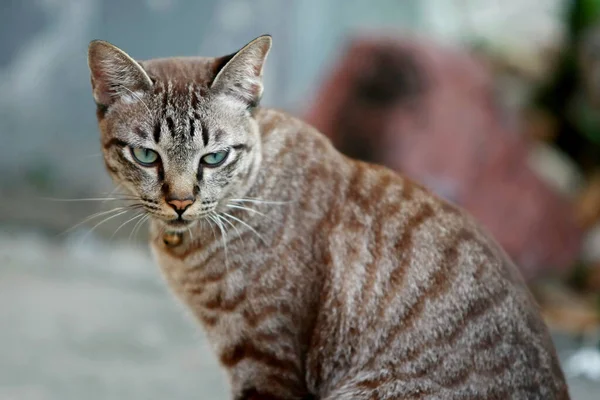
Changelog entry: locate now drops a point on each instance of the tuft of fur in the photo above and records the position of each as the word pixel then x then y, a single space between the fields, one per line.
pixel 313 275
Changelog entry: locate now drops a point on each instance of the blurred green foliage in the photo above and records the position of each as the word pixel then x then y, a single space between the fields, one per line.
pixel 581 15
pixel 564 95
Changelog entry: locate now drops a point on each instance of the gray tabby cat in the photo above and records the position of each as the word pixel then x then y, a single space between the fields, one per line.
pixel 314 275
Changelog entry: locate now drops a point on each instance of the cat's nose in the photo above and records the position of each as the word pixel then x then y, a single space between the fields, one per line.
pixel 180 205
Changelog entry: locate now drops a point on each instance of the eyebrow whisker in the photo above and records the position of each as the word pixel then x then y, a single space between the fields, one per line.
pixel 137 96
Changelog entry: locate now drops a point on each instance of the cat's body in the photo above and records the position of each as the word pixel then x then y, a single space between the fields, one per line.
pixel 364 279
pixel 335 279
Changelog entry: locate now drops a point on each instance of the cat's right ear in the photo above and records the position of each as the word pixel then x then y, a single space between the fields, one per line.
pixel 114 73
pixel 240 74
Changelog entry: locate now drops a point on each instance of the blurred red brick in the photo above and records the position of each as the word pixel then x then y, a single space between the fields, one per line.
pixel 431 112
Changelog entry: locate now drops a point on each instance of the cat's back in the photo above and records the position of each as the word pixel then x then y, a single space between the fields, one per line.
pixel 416 299
pixel 422 296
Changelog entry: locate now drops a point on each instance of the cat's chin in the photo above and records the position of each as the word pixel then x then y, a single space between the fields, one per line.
pixel 178 225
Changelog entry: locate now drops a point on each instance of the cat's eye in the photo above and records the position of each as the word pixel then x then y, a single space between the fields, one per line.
pixel 144 156
pixel 214 159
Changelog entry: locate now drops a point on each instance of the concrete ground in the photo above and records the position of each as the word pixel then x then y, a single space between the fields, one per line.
pixel 90 319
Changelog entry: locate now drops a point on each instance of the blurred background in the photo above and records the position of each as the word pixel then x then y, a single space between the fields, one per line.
pixel 494 105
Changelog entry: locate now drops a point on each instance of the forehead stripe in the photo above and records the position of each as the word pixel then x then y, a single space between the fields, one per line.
pixel 156 133
pixel 171 126
pixel 194 103
pixel 240 146
pixel 217 135
pixel 165 98
pixel 115 142
pixel 192 127
pixel 141 132
pixel 204 133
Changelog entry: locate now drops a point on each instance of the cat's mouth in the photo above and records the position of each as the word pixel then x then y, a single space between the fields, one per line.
pixel 179 224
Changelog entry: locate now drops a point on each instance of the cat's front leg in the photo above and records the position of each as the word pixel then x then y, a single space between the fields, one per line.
pixel 261 372
pixel 266 386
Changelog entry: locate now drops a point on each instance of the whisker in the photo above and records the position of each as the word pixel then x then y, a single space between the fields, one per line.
pixel 161 230
pixel 102 222
pixel 209 220
pixel 144 221
pixel 259 201
pixel 131 233
pixel 246 225
pixel 268 217
pixel 137 97
pixel 213 216
pixel 89 199
pixel 115 191
pixel 241 207
pixel 223 234
pixel 247 209
pixel 232 225
pixel 125 223
pixel 137 227
pixel 95 215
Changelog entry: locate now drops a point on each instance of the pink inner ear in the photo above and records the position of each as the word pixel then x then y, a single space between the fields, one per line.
pixel 253 89
pixel 101 90
pixel 113 73
pixel 248 92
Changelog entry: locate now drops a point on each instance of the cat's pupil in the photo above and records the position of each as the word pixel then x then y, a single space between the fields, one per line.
pixel 214 158
pixel 145 156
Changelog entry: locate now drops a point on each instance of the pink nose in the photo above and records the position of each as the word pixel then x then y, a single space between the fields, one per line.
pixel 180 205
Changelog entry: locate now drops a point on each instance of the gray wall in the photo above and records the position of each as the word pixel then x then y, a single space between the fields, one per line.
pixel 48 135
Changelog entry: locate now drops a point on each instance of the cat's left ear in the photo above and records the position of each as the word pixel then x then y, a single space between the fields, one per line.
pixel 114 73
pixel 240 75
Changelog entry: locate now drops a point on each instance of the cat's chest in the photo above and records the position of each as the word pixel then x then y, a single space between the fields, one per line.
pixel 214 287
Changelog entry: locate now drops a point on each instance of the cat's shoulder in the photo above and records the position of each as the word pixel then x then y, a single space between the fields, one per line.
pixel 272 119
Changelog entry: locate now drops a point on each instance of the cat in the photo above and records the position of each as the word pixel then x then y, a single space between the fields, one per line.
pixel 315 276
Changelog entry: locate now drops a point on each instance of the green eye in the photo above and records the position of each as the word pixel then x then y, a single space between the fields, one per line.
pixel 214 159
pixel 146 157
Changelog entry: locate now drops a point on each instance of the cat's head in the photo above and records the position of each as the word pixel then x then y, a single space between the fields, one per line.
pixel 179 134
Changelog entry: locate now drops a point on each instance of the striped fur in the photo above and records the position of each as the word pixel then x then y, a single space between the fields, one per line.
pixel 320 277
